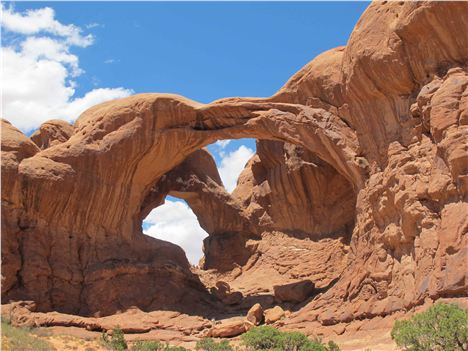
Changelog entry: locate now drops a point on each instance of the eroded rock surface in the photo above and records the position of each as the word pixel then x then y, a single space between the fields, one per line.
pixel 51 133
pixel 359 184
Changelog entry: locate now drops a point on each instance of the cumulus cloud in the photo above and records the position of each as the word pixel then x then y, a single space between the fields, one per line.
pixel 39 70
pixel 223 143
pixel 175 222
pixel 33 22
pixel 232 164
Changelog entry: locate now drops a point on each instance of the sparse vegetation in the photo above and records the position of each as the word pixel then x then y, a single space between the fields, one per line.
pixel 208 344
pixel 260 338
pixel 269 338
pixel 147 346
pixel 264 338
pixel 23 339
pixel 175 348
pixel 443 327
pixel 116 342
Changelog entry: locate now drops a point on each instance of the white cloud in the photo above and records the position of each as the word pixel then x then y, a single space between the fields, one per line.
pixel 232 165
pixel 38 71
pixel 43 48
pixel 223 143
pixel 175 222
pixel 93 25
pixel 43 21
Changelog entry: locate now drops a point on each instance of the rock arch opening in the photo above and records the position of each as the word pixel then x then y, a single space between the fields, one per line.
pixel 231 157
pixel 290 218
pixel 285 193
pixel 174 221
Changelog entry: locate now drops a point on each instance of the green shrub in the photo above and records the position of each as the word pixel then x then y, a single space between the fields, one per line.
pixel 443 327
pixel 208 344
pixel 261 338
pixel 292 341
pixel 22 339
pixel 175 348
pixel 147 346
pixel 333 346
pixel 117 341
pixel 269 338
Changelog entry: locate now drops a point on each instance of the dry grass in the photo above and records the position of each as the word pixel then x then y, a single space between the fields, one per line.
pixel 23 339
pixel 41 339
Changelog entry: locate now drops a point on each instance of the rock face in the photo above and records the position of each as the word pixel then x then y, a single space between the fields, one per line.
pixel 287 188
pixel 359 184
pixel 294 292
pixel 51 133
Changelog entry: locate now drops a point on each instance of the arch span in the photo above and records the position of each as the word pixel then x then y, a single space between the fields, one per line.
pixel 167 128
pixel 120 150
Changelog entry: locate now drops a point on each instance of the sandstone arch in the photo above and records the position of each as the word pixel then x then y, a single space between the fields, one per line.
pixel 322 204
pixel 387 113
pixel 123 171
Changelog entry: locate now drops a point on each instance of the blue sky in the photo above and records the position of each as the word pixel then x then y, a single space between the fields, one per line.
pixel 63 57
pixel 204 51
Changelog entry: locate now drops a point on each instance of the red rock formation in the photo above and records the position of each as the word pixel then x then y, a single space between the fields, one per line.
pixel 288 189
pixel 51 133
pixel 361 186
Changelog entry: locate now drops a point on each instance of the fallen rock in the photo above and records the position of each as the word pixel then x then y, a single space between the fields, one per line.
pixel 255 314
pixel 223 288
pixel 294 292
pixel 223 292
pixel 273 314
pixel 228 328
pixel 233 298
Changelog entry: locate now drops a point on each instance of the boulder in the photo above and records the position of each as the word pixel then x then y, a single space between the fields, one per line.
pixel 228 328
pixel 255 314
pixel 294 292
pixel 223 292
pixel 223 288
pixel 273 314
pixel 233 298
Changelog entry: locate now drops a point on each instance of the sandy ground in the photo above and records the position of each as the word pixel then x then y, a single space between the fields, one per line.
pixel 71 338
pixel 374 340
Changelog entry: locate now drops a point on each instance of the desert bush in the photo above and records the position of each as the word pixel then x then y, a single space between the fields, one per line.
pixel 269 338
pixel 14 338
pixel 443 327
pixel 261 338
pixel 333 346
pixel 175 348
pixel 208 344
pixel 147 346
pixel 116 342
